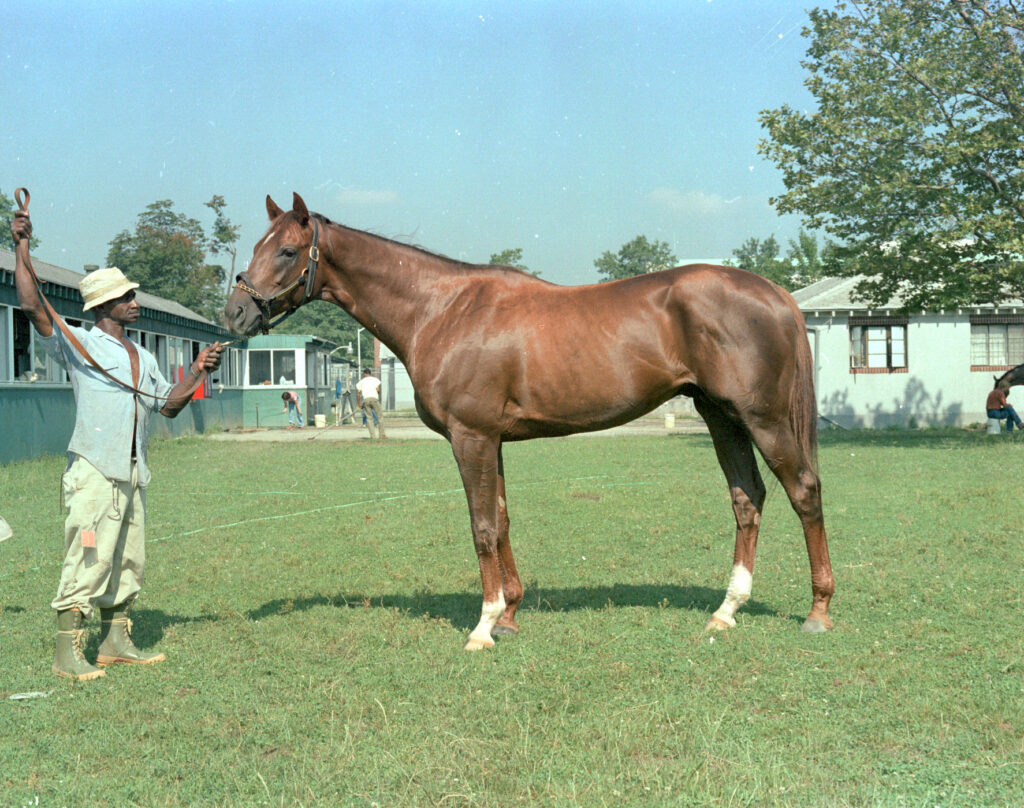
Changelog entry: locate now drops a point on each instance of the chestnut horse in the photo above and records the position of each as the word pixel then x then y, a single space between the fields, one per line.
pixel 496 355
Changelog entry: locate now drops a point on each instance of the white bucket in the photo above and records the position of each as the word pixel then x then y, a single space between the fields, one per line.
pixel 670 420
pixel 319 421
pixel 994 426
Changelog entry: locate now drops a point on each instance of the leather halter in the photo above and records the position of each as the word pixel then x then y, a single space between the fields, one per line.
pixel 243 283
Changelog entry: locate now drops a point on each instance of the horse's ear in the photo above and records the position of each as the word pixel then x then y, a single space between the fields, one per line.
pixel 299 208
pixel 273 211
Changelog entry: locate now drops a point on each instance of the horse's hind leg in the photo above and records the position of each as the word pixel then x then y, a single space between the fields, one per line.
pixel 511 587
pixel 736 457
pixel 783 455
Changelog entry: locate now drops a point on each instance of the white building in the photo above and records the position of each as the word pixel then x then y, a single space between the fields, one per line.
pixel 876 367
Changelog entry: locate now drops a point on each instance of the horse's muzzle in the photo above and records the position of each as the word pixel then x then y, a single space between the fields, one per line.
pixel 241 315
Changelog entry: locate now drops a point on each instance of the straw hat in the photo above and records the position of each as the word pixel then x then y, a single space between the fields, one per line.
pixel 102 285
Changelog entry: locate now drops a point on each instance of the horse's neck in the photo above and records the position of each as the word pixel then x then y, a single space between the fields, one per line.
pixel 389 288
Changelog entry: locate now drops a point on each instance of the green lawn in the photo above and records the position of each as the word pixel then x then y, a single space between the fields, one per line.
pixel 313 600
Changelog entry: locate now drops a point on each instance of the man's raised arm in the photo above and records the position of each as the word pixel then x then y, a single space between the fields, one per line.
pixel 28 297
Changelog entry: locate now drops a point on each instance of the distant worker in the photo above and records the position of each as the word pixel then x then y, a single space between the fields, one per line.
pixel 344 391
pixel 368 397
pixel 106 476
pixel 291 401
pixel 997 407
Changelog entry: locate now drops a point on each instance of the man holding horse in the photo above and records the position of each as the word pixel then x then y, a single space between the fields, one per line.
pixel 117 386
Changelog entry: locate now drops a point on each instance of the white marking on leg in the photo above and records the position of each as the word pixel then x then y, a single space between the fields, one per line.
pixel 489 615
pixel 740 585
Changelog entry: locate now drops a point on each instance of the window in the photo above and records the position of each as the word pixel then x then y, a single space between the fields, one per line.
pixel 284 367
pixel 259 367
pixel 22 346
pixel 878 346
pixel 996 345
pixel 271 367
pixel 159 350
pixel 231 367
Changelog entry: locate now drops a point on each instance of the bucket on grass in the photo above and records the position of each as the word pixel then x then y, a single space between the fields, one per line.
pixel 670 420
pixel 319 421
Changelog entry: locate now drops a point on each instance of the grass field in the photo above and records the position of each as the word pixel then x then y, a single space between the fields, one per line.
pixel 313 599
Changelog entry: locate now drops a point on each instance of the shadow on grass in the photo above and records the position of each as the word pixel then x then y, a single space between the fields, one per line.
pixel 148 626
pixel 462 609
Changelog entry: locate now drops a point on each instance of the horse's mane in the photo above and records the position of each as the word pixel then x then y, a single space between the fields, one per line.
pixel 465 265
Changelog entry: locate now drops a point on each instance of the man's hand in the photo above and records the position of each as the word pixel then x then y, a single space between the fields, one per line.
pixel 209 358
pixel 21 226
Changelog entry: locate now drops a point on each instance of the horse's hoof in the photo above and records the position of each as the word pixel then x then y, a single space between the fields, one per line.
pixel 476 644
pixel 505 627
pixel 718 624
pixel 815 625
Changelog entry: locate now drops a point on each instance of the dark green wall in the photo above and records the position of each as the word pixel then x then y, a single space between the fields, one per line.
pixel 37 419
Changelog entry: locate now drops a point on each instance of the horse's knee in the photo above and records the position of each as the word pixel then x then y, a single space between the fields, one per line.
pixel 747 507
pixel 485 540
pixel 806 497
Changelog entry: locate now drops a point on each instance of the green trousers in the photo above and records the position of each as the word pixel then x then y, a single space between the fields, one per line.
pixel 112 515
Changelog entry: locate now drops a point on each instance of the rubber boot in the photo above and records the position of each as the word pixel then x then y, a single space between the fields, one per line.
pixel 116 640
pixel 69 661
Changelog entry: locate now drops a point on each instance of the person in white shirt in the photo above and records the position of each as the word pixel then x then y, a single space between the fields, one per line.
pixel 368 397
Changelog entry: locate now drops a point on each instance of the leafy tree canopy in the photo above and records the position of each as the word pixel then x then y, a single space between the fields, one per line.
pixel 224 237
pixel 802 265
pixel 636 257
pixel 511 258
pixel 7 211
pixel 913 159
pixel 166 256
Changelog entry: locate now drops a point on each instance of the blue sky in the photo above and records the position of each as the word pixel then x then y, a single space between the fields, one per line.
pixel 562 128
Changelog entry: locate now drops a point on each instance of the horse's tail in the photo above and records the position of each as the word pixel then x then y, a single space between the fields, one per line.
pixel 803 405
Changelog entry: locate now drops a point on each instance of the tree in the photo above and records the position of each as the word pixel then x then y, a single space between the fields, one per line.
pixel 7 211
pixel 165 256
pixel 806 260
pixel 511 258
pixel 224 237
pixel 636 257
pixel 913 158
pixel 762 258
pixel 802 266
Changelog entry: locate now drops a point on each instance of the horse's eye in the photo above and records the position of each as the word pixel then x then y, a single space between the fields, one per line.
pixel 288 252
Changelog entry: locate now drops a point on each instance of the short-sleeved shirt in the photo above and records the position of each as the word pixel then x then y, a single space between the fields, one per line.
pixel 996 400
pixel 368 386
pixel 105 413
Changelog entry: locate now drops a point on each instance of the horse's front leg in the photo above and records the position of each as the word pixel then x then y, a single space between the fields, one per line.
pixel 511 587
pixel 477 456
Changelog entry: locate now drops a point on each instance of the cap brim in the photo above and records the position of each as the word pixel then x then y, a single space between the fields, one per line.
pixel 112 294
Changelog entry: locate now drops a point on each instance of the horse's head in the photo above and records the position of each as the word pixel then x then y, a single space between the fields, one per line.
pixel 282 273
pixel 1012 377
